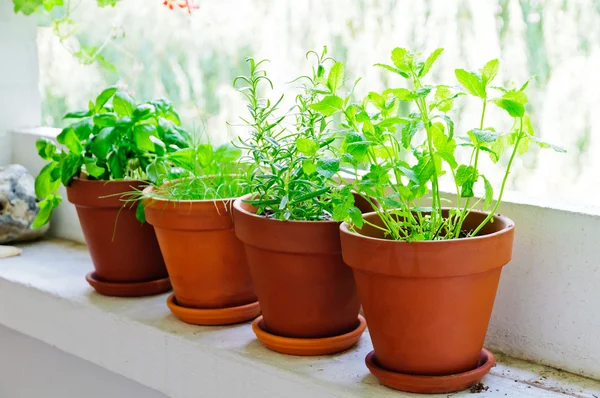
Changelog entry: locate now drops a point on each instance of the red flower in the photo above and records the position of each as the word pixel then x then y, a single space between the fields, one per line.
pixel 189 4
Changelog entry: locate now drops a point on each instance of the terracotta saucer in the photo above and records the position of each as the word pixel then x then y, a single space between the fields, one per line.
pixel 135 289
pixel 308 347
pixel 431 384
pixel 213 317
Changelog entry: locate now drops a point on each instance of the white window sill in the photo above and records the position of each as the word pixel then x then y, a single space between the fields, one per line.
pixel 43 294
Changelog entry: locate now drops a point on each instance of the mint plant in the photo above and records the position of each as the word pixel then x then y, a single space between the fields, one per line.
pixel 292 157
pixel 407 155
pixel 123 140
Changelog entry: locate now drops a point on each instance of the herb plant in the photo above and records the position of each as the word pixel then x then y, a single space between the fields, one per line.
pixel 203 172
pixel 292 156
pixel 408 155
pixel 123 140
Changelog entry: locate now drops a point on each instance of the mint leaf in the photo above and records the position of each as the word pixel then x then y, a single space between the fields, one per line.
pixel 430 61
pixel 328 167
pixel 401 59
pixel 514 108
pixel 489 71
pixel 471 82
pixel 336 77
pixel 306 146
pixel 328 105
pixel 489 193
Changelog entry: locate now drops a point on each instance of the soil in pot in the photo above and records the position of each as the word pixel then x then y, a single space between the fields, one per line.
pixel 428 304
pixel 206 261
pixel 304 289
pixel 123 250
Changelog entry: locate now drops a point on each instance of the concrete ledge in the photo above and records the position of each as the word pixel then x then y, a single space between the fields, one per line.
pixel 43 294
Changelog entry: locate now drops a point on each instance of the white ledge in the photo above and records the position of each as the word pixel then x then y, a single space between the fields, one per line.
pixel 43 294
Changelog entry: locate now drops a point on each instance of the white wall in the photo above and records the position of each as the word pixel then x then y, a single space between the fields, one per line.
pixel 20 104
pixel 32 369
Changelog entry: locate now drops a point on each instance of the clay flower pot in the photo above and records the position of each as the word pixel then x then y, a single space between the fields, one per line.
pixel 125 253
pixel 428 304
pixel 307 295
pixel 206 261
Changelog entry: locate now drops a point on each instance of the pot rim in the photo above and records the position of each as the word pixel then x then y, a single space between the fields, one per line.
pixel 510 225
pixel 237 205
pixel 121 181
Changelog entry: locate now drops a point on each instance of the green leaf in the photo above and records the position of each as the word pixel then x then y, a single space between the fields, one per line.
pixel 483 136
pixel 514 108
pixel 205 153
pixel 328 105
pixel 102 143
pixel 489 193
pixel 544 144
pixel 27 7
pixel 423 92
pixel 424 169
pixel 392 69
pixel 464 173
pixel 92 169
pixel 402 94
pixel 70 166
pixel 376 99
pixel 227 153
pixel 43 215
pixel 123 104
pixel 46 148
pixel 499 146
pixel 443 99
pixel 104 97
pixel 489 71
pixel 356 217
pixel 44 183
pixel 83 129
pixel 114 165
pixel 471 82
pixel 409 130
pixel 307 146
pixel 401 59
pixel 336 77
pixel 105 120
pixel 328 167
pixel 69 139
pixel 141 137
pixel 356 145
pixel 444 145
pixel 139 212
pixel 143 112
pixel 308 166
pixel 517 96
pixel 77 115
pixel 430 61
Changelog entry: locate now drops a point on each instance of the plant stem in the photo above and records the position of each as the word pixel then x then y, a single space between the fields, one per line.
pixel 512 157
pixel 466 210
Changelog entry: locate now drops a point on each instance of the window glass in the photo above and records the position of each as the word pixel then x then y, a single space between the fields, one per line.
pixel 192 59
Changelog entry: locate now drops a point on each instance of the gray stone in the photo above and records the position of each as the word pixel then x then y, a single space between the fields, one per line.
pixel 18 205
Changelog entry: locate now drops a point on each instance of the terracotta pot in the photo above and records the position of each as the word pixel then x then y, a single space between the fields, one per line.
pixel 428 304
pixel 206 261
pixel 304 289
pixel 123 250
